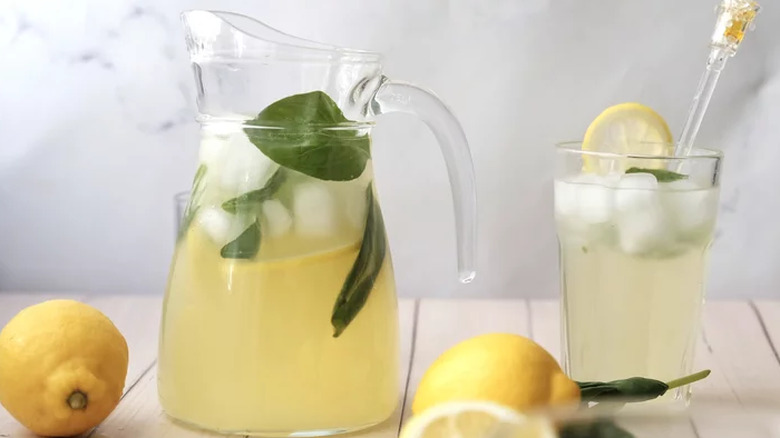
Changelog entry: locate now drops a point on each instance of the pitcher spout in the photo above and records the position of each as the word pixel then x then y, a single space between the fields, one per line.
pixel 229 34
pixel 242 65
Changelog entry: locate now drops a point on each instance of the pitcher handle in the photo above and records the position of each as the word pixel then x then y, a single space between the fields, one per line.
pixel 396 96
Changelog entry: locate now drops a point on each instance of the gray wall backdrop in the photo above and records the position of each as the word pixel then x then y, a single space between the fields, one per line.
pixel 97 130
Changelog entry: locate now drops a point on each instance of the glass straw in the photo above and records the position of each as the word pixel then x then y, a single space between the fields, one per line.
pixel 735 17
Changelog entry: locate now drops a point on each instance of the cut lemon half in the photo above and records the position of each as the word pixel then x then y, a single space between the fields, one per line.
pixel 476 419
pixel 626 129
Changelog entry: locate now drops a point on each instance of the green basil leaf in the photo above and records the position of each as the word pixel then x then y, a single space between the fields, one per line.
pixel 660 174
pixel 245 246
pixel 361 278
pixel 308 133
pixel 633 389
pixel 252 200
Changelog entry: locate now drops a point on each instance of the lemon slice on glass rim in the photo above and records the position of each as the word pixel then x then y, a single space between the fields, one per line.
pixel 626 129
pixel 476 419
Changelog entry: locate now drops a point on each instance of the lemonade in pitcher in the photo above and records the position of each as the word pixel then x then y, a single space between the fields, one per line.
pixel 280 317
pixel 254 284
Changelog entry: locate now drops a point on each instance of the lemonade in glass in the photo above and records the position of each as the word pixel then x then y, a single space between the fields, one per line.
pixel 635 224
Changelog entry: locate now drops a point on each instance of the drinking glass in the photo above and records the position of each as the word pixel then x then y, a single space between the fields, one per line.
pixel 634 235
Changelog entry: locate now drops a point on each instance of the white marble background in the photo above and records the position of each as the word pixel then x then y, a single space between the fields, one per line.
pixel 97 130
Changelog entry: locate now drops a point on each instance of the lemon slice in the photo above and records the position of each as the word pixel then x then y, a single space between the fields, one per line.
pixel 627 128
pixel 475 419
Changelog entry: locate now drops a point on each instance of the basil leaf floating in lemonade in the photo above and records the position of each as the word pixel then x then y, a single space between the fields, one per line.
pixel 661 175
pixel 252 200
pixel 245 246
pixel 365 270
pixel 308 133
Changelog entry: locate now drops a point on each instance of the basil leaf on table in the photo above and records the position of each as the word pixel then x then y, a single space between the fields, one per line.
pixel 298 132
pixel 633 389
pixel 361 278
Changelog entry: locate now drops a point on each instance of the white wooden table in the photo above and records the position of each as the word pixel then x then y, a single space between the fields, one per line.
pixel 738 344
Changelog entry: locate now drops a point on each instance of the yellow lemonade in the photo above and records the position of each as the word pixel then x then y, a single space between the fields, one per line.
pixel 633 255
pixel 653 307
pixel 247 346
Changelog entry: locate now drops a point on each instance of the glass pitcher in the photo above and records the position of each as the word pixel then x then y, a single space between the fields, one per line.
pixel 280 315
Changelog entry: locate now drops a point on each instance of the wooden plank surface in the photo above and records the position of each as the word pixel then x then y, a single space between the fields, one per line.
pixel 738 342
pixel 769 317
pixel 737 349
pixel 138 319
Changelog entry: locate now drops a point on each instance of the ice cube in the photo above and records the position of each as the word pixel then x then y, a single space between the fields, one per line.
pixel 313 210
pixel 642 223
pixel 691 206
pixel 585 197
pixel 640 181
pixel 221 226
pixel 231 124
pixel 355 208
pixel 594 203
pixel 636 191
pixel 244 167
pixel 612 179
pixel 277 219
pixel 681 185
pixel 210 152
pixel 608 180
pixel 643 233
pixel 565 194
pixel 584 208
pixel 353 194
pixel 215 137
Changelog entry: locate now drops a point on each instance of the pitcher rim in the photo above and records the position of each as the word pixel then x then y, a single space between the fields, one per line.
pixel 367 56
pixel 247 123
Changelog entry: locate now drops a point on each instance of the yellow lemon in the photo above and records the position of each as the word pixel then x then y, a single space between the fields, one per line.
pixel 62 367
pixel 627 129
pixel 476 419
pixel 503 368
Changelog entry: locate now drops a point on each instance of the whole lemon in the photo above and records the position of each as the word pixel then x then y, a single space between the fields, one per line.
pixel 62 367
pixel 503 368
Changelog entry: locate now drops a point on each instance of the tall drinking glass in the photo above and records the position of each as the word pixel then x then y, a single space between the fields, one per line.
pixel 634 235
